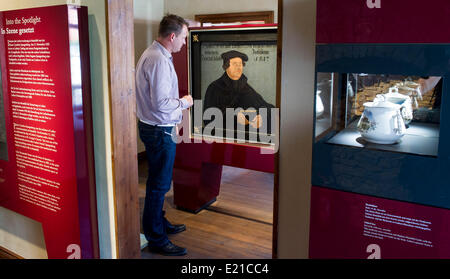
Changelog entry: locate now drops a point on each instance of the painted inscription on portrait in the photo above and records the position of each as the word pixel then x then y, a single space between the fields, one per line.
pixel 260 69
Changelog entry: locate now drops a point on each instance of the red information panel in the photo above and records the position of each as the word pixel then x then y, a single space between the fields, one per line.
pixel 383 21
pixel 347 225
pixel 46 158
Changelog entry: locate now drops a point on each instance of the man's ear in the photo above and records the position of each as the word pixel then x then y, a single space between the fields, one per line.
pixel 172 37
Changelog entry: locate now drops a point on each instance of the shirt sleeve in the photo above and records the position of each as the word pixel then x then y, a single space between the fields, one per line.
pixel 159 75
pixel 184 103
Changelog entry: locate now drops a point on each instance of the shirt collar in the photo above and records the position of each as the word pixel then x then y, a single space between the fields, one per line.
pixel 164 51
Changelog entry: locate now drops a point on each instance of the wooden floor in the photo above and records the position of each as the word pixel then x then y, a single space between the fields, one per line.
pixel 247 194
pixel 237 226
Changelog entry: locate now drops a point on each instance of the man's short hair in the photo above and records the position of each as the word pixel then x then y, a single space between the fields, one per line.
pixel 171 24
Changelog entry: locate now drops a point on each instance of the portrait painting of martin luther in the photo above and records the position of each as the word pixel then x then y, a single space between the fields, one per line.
pixel 233 90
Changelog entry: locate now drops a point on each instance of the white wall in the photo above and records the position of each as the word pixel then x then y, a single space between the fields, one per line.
pixel 102 134
pixel 190 8
pixel 102 128
pixel 297 98
pixel 147 15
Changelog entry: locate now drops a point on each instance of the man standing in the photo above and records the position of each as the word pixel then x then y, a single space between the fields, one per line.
pixel 159 109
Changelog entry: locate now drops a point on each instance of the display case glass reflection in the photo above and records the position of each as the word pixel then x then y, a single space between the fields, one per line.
pixel 325 91
pixel 3 140
pixel 387 112
pixel 234 71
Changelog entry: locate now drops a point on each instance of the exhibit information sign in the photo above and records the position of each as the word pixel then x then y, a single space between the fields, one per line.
pixel 348 225
pixel 46 163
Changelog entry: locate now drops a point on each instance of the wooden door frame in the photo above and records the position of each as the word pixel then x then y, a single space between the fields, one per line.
pixel 121 78
pixel 276 185
pixel 121 75
pixel 266 16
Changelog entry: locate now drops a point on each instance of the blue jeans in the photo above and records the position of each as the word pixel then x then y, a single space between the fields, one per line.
pixel 160 150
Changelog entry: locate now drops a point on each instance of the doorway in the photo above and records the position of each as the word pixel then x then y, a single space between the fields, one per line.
pixel 239 224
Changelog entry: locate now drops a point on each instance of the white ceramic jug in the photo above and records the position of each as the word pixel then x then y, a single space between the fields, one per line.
pixel 381 122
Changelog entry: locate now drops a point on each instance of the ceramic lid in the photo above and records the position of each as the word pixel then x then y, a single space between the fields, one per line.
pixel 396 95
pixel 381 103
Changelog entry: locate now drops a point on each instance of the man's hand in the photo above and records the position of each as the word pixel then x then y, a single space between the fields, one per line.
pixel 189 99
pixel 241 118
pixel 256 122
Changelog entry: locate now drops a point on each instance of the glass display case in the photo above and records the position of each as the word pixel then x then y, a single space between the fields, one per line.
pixel 379 111
pixel 325 94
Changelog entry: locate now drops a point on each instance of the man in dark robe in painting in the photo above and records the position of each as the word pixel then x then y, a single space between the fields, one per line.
pixel 232 91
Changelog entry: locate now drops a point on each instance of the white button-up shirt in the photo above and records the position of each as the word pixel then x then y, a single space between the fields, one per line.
pixel 157 96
